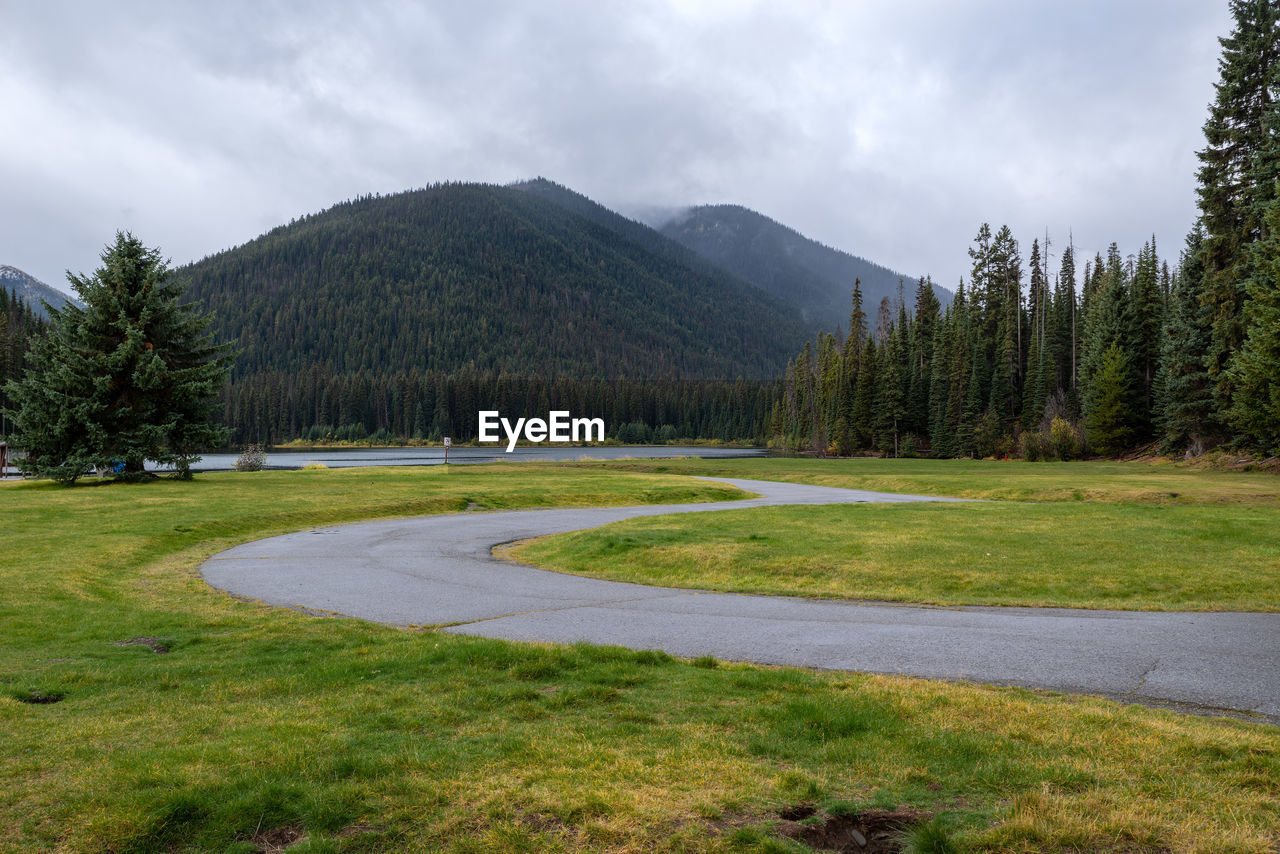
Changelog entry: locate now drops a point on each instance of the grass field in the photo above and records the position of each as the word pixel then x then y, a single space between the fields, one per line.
pixel 142 711
pixel 1149 537
pixel 1144 483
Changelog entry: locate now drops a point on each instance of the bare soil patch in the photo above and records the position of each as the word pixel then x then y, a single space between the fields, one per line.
pixel 872 831
pixel 154 644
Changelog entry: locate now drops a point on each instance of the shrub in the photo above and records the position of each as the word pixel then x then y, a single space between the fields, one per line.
pixel 1034 446
pixel 1065 439
pixel 252 458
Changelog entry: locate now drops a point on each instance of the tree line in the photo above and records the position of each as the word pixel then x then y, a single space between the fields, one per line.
pixel 322 405
pixel 1130 354
pixel 1004 370
pixel 19 325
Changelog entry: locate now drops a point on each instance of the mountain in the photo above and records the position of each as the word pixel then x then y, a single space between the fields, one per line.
pixel 815 279
pixel 31 290
pixel 480 277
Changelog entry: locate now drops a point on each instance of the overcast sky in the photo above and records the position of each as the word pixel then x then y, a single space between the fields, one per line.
pixel 891 130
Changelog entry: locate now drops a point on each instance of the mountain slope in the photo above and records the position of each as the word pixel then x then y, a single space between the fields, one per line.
pixel 473 276
pixel 31 290
pixel 816 279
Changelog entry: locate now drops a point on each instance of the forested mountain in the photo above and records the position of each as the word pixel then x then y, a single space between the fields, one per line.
pixel 814 278
pixel 30 290
pixel 487 278
pixel 19 323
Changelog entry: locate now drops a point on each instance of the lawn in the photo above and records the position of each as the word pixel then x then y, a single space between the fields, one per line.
pixel 1145 483
pixel 1147 537
pixel 142 711
pixel 1129 556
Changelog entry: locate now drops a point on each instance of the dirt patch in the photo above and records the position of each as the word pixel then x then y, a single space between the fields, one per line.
pixel 39 698
pixel 154 644
pixel 277 839
pixel 873 831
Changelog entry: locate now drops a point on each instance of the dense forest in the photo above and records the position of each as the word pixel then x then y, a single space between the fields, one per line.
pixel 996 373
pixel 19 323
pixel 316 405
pixel 476 277
pixel 1129 354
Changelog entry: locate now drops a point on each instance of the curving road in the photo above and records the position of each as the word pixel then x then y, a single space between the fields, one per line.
pixel 439 570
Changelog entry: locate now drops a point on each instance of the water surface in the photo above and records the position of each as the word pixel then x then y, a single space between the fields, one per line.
pixel 431 456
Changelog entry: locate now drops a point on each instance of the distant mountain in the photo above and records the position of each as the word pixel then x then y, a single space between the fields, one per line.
pixel 814 278
pixel 530 279
pixel 31 290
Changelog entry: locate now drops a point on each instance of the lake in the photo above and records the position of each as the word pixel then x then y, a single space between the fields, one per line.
pixel 432 456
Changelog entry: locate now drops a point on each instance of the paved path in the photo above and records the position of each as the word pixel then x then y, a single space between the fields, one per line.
pixel 438 570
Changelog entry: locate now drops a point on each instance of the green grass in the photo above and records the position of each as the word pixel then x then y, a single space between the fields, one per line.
pixel 1085 535
pixel 1127 556
pixel 262 724
pixel 1146 483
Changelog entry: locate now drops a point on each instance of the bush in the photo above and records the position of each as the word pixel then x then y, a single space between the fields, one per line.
pixel 1034 446
pixel 1065 439
pixel 252 458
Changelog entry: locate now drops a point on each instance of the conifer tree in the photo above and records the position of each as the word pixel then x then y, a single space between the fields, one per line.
pixel 890 400
pixel 1147 322
pixel 1109 420
pixel 862 424
pixel 1187 415
pixel 1233 187
pixel 1255 370
pixel 133 376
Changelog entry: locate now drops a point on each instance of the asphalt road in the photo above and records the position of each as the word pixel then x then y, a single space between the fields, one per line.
pixel 438 570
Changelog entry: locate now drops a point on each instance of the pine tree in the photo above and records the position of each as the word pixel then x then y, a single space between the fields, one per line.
pixel 890 400
pixel 131 377
pixel 1233 188
pixel 1188 418
pixel 1109 420
pixel 1147 322
pixel 1063 339
pixel 862 424
pixel 1255 370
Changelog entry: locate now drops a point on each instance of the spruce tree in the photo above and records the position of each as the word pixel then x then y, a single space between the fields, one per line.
pixel 1146 322
pixel 1110 417
pixel 133 376
pixel 1187 415
pixel 862 424
pixel 1255 370
pixel 1233 187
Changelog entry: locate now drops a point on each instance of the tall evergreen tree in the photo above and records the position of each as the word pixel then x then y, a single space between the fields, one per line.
pixel 1255 371
pixel 1109 418
pixel 1147 321
pixel 1188 418
pixel 1232 192
pixel 133 376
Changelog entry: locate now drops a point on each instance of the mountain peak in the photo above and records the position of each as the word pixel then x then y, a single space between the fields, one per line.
pixel 816 278
pixel 31 290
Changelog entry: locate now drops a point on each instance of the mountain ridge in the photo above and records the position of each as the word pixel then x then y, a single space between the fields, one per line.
pixel 31 290
pixel 482 277
pixel 816 278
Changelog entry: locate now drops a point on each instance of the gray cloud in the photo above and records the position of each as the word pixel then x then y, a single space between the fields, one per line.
pixel 888 130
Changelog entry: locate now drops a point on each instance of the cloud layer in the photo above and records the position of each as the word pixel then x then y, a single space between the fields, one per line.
pixel 888 130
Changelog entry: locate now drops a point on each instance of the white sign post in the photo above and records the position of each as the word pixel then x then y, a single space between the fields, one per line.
pixel 447 443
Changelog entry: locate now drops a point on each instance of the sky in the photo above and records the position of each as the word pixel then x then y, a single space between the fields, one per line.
pixel 891 130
